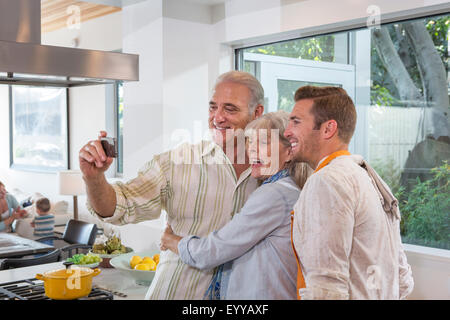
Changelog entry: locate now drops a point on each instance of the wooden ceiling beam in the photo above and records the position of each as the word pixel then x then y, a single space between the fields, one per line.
pixel 54 13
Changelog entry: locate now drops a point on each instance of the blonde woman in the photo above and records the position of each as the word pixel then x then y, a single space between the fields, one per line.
pixel 10 209
pixel 253 251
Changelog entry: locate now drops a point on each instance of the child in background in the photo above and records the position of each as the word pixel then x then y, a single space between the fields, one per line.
pixel 44 223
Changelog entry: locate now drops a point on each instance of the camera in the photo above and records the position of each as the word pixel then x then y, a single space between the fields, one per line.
pixel 109 146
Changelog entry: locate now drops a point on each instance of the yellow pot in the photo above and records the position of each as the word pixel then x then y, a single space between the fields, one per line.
pixel 67 284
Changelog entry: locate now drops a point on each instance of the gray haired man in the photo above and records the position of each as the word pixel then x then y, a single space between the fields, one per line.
pixel 198 196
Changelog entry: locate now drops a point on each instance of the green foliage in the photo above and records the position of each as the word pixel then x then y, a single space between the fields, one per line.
pixel 426 208
pixel 438 29
pixel 390 173
pixel 383 89
pixel 20 152
pixel 381 96
pixel 315 48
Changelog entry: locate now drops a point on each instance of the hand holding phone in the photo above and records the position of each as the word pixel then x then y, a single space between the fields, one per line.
pixel 109 146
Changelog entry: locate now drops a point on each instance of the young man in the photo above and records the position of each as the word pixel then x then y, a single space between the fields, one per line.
pixel 346 222
pixel 200 186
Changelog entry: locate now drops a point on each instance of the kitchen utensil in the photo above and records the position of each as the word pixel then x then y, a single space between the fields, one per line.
pixel 69 283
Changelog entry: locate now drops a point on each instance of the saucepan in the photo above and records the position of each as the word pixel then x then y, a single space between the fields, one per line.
pixel 69 283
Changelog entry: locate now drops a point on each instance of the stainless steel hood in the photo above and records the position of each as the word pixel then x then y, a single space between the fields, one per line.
pixel 25 61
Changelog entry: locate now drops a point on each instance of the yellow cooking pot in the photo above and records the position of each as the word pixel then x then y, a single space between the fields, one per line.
pixel 69 283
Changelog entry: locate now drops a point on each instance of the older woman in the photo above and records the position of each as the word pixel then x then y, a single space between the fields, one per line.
pixel 253 251
pixel 9 209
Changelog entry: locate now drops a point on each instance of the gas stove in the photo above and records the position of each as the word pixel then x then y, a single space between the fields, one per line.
pixel 33 289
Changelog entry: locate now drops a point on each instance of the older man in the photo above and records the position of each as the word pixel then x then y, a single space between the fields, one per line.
pixel 199 186
pixel 346 222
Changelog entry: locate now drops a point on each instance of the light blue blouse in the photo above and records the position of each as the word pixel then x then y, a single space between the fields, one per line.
pixel 12 204
pixel 257 241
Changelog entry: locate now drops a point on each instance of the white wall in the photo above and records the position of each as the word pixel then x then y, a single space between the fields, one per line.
pixel 431 272
pixel 143 114
pixel 179 59
pixel 262 20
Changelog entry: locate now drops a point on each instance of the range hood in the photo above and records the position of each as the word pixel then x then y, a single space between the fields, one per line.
pixel 25 61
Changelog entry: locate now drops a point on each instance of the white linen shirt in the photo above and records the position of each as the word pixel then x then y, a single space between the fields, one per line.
pixel 348 246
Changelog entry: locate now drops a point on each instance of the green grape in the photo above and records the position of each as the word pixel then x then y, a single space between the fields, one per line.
pixel 84 259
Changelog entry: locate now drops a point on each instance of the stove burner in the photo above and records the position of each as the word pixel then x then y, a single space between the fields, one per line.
pixel 33 289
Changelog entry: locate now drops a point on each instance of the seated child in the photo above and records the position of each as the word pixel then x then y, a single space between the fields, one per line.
pixel 44 223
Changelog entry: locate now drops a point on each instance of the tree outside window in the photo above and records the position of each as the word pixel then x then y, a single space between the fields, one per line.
pixel 409 89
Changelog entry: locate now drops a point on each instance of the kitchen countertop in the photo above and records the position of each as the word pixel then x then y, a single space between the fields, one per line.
pixel 110 279
pixel 12 245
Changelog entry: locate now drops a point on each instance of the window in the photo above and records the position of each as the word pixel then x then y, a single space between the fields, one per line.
pixel 38 124
pixel 397 75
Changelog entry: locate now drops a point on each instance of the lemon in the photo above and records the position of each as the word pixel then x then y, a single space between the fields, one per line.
pixel 134 261
pixel 156 258
pixel 142 266
pixel 149 261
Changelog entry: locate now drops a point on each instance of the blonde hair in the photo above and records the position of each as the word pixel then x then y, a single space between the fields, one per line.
pixel 279 120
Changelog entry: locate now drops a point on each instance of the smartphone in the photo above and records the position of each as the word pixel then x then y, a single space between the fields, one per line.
pixel 109 146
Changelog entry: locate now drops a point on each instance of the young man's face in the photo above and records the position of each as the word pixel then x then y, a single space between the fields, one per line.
pixel 229 111
pixel 304 139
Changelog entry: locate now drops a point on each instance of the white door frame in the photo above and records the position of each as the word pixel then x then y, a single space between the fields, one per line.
pixel 274 68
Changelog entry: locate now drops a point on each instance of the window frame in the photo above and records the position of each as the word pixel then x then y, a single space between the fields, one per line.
pixel 117 129
pixel 112 125
pixel 398 17
pixel 350 25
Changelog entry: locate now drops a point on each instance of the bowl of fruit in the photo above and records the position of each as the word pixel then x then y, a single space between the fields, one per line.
pixel 90 260
pixel 141 266
pixel 109 249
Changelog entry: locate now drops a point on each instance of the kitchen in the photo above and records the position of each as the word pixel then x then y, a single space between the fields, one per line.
pixel 176 71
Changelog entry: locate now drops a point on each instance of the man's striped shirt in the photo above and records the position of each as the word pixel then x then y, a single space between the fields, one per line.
pixel 197 186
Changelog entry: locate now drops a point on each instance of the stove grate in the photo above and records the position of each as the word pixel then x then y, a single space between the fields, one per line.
pixel 33 289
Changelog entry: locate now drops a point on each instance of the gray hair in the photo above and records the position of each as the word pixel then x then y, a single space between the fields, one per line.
pixel 248 80
pixel 279 120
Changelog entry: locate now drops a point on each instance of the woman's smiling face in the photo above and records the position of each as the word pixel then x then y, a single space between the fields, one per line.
pixel 266 153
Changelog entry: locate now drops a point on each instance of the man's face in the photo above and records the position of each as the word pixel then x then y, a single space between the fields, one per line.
pixel 228 111
pixel 304 139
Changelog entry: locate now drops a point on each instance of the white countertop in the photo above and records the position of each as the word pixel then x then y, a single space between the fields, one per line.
pixel 110 278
